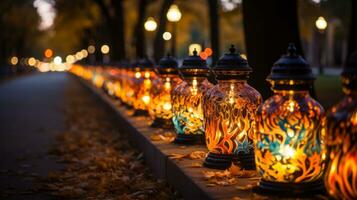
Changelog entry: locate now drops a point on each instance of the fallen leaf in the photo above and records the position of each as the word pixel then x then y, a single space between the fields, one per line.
pixel 196 165
pixel 246 187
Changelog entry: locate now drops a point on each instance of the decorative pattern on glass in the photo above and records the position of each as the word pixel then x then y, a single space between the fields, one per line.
pixel 288 141
pixel 161 98
pixel 187 106
pixel 341 141
pixel 229 110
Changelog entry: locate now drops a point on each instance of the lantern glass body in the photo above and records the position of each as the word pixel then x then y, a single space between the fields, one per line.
pixel 118 83
pixel 110 76
pixel 341 141
pixel 127 92
pixel 229 110
pixel 187 106
pixel 143 81
pixel 161 107
pixel 98 78
pixel 288 146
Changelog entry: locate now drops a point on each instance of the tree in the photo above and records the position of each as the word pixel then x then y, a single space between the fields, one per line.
pixel 113 12
pixel 140 46
pixel 352 38
pixel 214 28
pixel 269 27
pixel 19 29
pixel 158 41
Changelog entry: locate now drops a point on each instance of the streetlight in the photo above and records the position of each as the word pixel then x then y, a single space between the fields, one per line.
pixel 167 36
pixel 105 51
pixel 14 60
pixel 57 60
pixel 91 51
pixel 150 24
pixel 321 25
pixel 174 15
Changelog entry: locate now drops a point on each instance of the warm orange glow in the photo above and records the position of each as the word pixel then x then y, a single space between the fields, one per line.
pixel 187 106
pixel 161 108
pixel 48 53
pixel 208 51
pixel 14 60
pixel 142 89
pixel 204 55
pixel 288 144
pixel 229 117
pixel 340 137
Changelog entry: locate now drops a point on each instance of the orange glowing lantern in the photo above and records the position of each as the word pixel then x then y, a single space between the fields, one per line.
pixel 161 108
pixel 289 152
pixel 341 138
pixel 187 102
pixel 144 78
pixel 110 76
pixel 229 112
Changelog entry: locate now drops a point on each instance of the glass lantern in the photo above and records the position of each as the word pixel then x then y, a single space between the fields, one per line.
pixel 187 102
pixel 161 108
pixel 289 153
pixel 127 84
pixel 110 77
pixel 229 112
pixel 143 81
pixel 341 138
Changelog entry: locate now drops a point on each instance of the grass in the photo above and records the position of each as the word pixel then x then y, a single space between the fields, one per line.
pixel 328 90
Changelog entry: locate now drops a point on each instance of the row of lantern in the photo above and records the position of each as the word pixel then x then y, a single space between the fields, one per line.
pixel 287 138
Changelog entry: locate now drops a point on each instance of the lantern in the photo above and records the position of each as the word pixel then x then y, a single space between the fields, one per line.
pixel 110 76
pixel 161 108
pixel 229 112
pixel 289 153
pixel 127 84
pixel 98 78
pixel 143 81
pixel 187 102
pixel 341 138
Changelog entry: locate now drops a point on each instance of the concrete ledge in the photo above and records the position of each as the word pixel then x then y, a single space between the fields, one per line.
pixel 187 180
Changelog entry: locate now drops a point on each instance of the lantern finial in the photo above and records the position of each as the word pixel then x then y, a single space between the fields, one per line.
pixel 194 52
pixel 232 49
pixel 291 49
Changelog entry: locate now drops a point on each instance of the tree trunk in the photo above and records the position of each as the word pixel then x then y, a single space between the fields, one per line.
pixel 268 26
pixel 352 39
pixel 140 42
pixel 159 45
pixel 115 22
pixel 214 29
pixel 119 25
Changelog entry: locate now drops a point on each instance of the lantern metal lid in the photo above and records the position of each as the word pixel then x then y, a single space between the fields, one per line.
pixel 232 66
pixel 349 73
pixel 167 65
pixel 291 71
pixel 145 64
pixel 194 66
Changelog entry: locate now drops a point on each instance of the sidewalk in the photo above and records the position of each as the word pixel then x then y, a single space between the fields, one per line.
pixel 31 115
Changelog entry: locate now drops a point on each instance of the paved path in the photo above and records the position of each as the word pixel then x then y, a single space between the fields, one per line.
pixel 30 117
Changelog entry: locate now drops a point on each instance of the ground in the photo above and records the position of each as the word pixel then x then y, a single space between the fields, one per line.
pixel 58 141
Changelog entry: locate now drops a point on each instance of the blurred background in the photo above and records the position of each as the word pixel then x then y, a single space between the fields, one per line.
pixel 60 31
